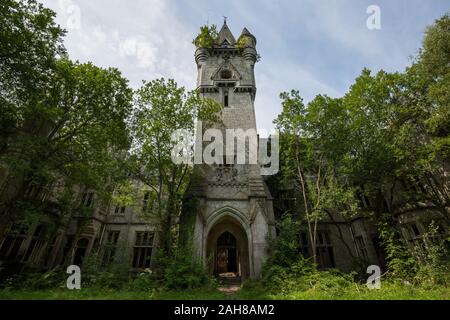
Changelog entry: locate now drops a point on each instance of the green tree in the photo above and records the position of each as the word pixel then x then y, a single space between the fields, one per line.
pixel 30 42
pixel 162 107
pixel 314 142
pixel 81 138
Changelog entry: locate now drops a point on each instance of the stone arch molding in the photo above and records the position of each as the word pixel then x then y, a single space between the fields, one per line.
pixel 218 214
pixel 240 220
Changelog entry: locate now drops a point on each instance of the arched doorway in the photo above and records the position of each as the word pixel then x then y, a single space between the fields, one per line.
pixel 227 257
pixel 228 249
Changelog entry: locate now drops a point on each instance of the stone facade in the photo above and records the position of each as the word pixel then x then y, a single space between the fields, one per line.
pixel 230 198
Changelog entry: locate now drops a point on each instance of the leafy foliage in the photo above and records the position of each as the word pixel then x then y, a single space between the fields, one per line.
pixel 207 37
pixel 284 248
pixel 185 271
pixel 162 108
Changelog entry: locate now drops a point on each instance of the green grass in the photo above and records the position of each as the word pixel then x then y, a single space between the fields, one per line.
pixel 102 294
pixel 254 291
pixel 388 291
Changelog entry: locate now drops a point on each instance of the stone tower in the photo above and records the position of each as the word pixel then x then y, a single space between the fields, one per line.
pixel 228 207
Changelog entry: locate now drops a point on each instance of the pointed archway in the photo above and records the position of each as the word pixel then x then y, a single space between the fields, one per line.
pixel 227 249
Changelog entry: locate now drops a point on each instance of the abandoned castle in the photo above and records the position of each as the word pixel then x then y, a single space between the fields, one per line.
pixel 234 212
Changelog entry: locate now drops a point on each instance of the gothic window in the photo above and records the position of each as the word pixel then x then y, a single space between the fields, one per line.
pixel 50 249
pixel 36 244
pixel 88 199
pixel 119 210
pixel 142 250
pixel 412 233
pixel 110 247
pixel 360 244
pixel 10 246
pixel 324 251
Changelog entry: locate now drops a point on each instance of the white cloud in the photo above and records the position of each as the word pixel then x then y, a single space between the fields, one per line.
pixel 144 39
pixel 314 46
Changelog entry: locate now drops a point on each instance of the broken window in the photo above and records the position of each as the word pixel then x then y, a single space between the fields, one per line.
pixel 142 250
pixel 360 244
pixel 36 245
pixel 119 210
pixel 88 199
pixel 325 255
pixel 324 249
pixel 110 247
pixel 10 246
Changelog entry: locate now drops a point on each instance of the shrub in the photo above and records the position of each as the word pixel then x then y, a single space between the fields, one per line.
pixel 145 281
pixel 425 263
pixel 184 271
pixel 207 37
pixel 96 275
pixel 284 249
pixel 52 279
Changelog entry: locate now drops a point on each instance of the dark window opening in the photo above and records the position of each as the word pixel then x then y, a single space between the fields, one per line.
pixel 80 251
pixel 119 210
pixel 142 250
pixel 225 99
pixel 145 201
pixel 360 243
pixel 88 199
pixel 110 247
pixel 10 247
pixel 36 245
pixel 324 249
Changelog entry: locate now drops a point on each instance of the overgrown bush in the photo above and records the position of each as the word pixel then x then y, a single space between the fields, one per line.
pixel 52 279
pixel 287 271
pixel 285 248
pixel 425 263
pixel 184 271
pixel 95 275
pixel 144 282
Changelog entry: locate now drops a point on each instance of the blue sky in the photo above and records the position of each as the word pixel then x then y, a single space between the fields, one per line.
pixel 314 46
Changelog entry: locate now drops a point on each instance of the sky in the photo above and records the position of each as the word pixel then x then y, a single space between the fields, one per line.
pixel 314 46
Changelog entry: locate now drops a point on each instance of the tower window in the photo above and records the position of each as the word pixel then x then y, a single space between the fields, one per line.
pixel 225 99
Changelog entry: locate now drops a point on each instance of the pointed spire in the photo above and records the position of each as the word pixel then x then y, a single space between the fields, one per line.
pixel 225 34
pixel 246 33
